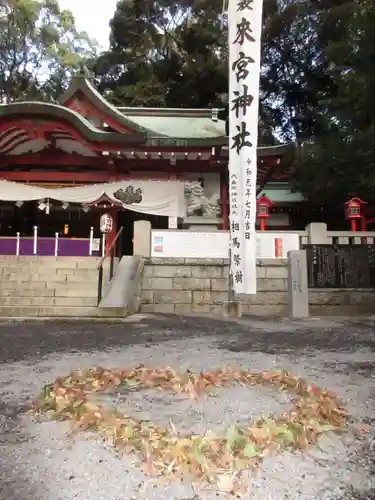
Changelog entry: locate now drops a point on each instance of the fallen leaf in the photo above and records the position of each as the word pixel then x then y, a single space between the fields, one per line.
pixel 209 457
pixel 225 483
pixel 250 451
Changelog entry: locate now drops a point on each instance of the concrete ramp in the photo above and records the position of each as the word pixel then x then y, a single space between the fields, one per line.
pixel 125 287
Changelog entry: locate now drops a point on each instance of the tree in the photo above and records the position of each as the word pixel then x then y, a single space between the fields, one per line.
pixel 316 78
pixel 165 53
pixel 168 53
pixel 39 46
pixel 295 70
pixel 339 162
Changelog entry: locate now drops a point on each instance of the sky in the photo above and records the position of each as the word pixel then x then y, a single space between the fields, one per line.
pixel 92 16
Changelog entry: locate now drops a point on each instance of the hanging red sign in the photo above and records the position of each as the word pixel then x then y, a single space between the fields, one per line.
pixel 106 223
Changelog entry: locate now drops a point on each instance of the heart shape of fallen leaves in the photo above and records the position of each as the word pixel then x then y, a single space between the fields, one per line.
pixel 208 457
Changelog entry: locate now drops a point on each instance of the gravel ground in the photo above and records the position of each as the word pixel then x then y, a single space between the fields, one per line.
pixel 39 460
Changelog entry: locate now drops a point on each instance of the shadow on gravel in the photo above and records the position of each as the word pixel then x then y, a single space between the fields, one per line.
pixel 30 340
pixel 11 436
pixel 302 339
pixel 34 340
pixel 364 368
pixel 9 419
pixel 366 458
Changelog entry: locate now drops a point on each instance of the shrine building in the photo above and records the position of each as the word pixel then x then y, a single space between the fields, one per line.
pixel 63 165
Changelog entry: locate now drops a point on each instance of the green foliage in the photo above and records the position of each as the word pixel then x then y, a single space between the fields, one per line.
pixel 39 46
pixel 166 53
pixel 317 76
pixel 316 82
pixel 296 73
pixel 338 161
pixel 169 53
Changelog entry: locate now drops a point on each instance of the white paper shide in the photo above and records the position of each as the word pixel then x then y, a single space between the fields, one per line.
pixel 245 26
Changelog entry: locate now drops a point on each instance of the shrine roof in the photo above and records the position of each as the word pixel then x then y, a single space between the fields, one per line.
pixel 81 124
pixel 280 192
pixel 281 150
pixel 177 123
pixel 191 127
pixel 81 83
pixel 146 126
pixel 179 127
pixel 185 127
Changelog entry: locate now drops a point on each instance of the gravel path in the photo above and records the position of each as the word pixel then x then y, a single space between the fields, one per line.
pixel 38 460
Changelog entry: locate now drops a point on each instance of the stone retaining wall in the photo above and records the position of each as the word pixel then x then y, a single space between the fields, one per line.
pixel 201 286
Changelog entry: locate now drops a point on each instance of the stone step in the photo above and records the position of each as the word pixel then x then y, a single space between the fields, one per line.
pixel 39 285
pixel 40 289
pixel 25 291
pixel 78 262
pixel 51 281
pixel 50 270
pixel 61 312
pixel 65 268
pixel 49 277
pixel 49 301
pixel 36 268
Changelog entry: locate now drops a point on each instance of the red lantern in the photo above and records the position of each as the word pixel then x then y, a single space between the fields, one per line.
pixel 264 205
pixel 106 223
pixel 353 209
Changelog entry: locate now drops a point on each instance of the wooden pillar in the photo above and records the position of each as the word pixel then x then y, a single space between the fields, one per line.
pixel 363 223
pixel 224 195
pixel 112 211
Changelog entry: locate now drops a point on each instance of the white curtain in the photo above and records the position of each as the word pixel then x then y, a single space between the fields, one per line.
pixel 158 197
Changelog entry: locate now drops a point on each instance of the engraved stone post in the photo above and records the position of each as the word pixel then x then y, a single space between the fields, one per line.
pixel 298 295
pixel 142 238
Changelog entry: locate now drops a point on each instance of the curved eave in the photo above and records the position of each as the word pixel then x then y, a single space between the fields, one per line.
pixel 169 112
pixel 286 152
pixel 81 84
pixel 62 113
pixel 170 142
pixel 104 198
pixel 281 151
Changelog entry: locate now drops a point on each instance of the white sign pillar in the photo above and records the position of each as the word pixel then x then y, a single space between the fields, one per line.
pixel 245 27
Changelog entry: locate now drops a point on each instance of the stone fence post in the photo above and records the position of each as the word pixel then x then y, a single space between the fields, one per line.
pixel 317 233
pixel 142 238
pixel 297 284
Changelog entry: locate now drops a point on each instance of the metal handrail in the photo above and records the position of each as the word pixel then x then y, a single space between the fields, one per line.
pixel 111 251
pixel 102 259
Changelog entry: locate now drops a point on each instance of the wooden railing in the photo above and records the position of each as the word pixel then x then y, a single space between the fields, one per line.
pixel 116 244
